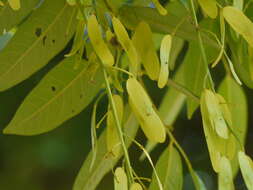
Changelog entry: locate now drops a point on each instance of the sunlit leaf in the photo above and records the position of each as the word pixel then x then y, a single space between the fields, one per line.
pixel 246 166
pixel 120 179
pixel 159 7
pixel 136 186
pixel 14 4
pixel 164 57
pixel 143 41
pixel 126 43
pixel 38 39
pixel 63 93
pixel 98 43
pixel 169 169
pixel 142 106
pixel 225 175
pixel 239 22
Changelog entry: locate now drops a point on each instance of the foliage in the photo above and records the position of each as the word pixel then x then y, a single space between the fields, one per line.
pixel 116 47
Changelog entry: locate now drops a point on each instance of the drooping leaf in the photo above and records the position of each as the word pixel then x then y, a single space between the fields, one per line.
pixel 164 57
pixel 10 18
pixel 225 175
pixel 104 161
pixel 142 106
pixel 209 7
pixel 98 43
pixel 38 39
pixel 239 22
pixel 126 43
pixel 232 92
pixel 246 166
pixel 169 170
pixel 113 140
pixel 143 41
pixel 63 93
pixel 120 179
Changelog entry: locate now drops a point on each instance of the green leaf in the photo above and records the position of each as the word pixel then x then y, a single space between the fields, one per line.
pixel 232 92
pixel 246 166
pixel 104 160
pixel 10 18
pixel 38 39
pixel 194 73
pixel 120 179
pixel 131 16
pixel 62 93
pixel 169 169
pixel 225 175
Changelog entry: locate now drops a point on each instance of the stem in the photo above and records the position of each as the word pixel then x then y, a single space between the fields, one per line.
pixel 188 163
pixel 202 49
pixel 183 90
pixel 119 129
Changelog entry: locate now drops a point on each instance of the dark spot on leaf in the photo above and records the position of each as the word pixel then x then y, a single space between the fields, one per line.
pixel 44 40
pixel 53 41
pixel 81 96
pixel 38 32
pixel 53 88
pixel 73 111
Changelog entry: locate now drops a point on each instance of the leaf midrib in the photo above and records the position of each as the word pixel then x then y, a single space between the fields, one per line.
pixel 36 41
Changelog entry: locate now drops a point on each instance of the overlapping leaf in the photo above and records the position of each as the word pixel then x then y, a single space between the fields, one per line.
pixel 38 39
pixel 63 93
pixel 10 18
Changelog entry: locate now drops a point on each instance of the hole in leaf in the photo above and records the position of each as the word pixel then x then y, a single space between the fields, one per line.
pixel 53 88
pixel 44 40
pixel 38 32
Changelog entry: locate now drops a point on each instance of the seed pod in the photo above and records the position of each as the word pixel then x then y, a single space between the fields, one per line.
pixel 215 114
pixel 209 7
pixel 225 175
pixel 126 43
pixel 98 43
pixel 112 138
pixel 159 7
pixel 136 186
pixel 14 4
pixel 246 166
pixel 120 179
pixel 143 109
pixel 143 42
pixel 239 22
pixel 164 57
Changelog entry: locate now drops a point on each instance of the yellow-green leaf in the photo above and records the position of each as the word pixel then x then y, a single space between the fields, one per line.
pixel 136 186
pixel 98 43
pixel 164 57
pixel 126 43
pixel 246 166
pixel 225 175
pixel 142 106
pixel 113 140
pixel 209 7
pixel 159 7
pixel 14 4
pixel 120 179
pixel 215 113
pixel 143 41
pixel 239 22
